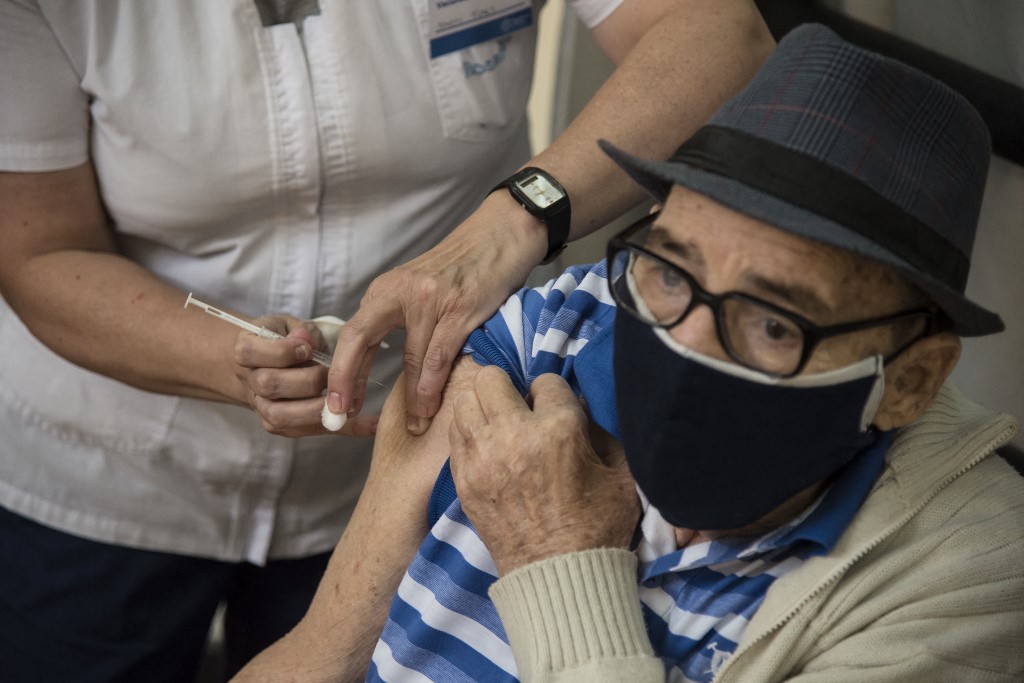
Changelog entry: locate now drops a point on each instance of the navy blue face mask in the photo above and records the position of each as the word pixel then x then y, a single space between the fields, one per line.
pixel 714 446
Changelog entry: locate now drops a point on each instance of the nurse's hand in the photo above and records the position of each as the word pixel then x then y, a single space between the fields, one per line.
pixel 439 298
pixel 537 480
pixel 284 387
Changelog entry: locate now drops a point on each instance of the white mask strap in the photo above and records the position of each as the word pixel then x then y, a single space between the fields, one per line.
pixel 872 365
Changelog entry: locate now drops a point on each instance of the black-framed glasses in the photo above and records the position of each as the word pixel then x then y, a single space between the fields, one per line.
pixel 754 333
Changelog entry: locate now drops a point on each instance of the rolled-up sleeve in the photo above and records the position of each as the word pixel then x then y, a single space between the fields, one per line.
pixel 593 12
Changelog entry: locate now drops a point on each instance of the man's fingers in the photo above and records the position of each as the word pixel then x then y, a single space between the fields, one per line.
pixel 496 393
pixel 468 424
pixel 550 392
pixel 468 415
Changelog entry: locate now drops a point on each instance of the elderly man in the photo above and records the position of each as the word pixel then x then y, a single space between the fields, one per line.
pixel 811 501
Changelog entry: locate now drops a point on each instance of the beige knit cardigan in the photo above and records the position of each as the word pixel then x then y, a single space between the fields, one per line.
pixel 926 585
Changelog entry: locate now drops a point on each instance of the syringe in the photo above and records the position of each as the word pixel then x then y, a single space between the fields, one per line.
pixel 318 356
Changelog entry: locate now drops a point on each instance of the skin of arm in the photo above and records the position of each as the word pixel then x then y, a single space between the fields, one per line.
pixel 677 60
pixel 61 273
pixel 335 639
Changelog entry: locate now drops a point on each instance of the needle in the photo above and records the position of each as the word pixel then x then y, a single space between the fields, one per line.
pixel 318 356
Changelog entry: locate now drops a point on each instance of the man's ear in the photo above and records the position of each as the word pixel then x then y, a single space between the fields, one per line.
pixel 914 377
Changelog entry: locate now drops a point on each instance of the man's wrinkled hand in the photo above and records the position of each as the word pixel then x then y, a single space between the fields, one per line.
pixel 529 477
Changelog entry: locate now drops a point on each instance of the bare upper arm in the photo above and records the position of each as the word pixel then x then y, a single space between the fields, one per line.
pixel 335 639
pixel 395 447
pixel 624 27
pixel 393 504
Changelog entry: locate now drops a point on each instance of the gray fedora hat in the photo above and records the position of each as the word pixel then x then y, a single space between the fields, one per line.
pixel 838 144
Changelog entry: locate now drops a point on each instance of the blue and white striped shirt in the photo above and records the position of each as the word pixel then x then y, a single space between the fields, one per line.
pixel 696 601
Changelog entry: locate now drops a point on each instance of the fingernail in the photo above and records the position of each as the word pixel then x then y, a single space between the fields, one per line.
pixel 416 425
pixel 334 402
pixel 301 352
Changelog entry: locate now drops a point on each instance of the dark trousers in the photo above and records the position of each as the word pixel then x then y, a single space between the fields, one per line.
pixel 77 610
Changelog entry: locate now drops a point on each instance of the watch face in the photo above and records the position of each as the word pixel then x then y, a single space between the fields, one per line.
pixel 541 192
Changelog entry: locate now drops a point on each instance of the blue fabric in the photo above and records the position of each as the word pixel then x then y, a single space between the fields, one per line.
pixel 730 578
pixel 443 494
pixel 696 601
pixel 827 522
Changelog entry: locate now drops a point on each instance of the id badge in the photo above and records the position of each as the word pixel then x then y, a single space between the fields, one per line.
pixel 457 24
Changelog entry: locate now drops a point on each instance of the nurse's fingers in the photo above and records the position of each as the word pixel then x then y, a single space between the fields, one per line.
pixel 357 343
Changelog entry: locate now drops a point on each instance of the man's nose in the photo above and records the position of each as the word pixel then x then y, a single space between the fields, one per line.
pixel 697 331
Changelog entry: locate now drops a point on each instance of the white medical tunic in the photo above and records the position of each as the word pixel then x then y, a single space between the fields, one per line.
pixel 270 169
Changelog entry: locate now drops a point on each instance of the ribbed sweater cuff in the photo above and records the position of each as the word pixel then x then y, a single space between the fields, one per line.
pixel 572 610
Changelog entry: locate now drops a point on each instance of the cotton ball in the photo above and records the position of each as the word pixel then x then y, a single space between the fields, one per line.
pixel 330 328
pixel 332 421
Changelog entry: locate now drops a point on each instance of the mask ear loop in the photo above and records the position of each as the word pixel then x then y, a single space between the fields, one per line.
pixel 875 397
pixel 936 322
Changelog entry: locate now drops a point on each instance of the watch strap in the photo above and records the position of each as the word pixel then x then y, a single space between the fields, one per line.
pixel 556 218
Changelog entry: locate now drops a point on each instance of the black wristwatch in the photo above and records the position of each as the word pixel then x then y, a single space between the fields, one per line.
pixel 543 197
